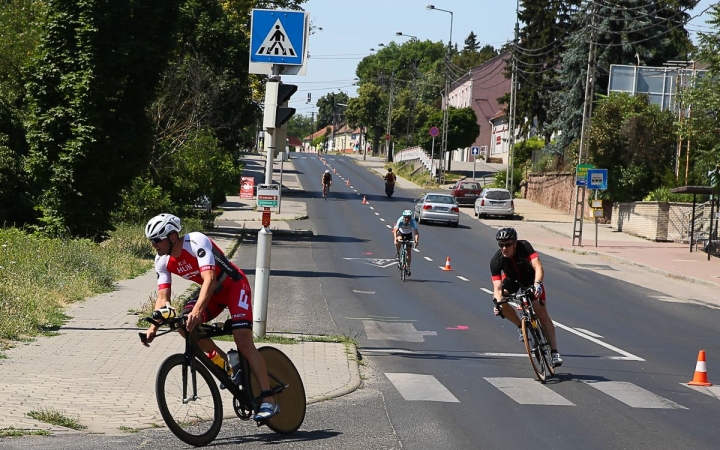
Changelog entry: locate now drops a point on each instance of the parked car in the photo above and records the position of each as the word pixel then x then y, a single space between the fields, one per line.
pixel 437 207
pixel 494 202
pixel 465 192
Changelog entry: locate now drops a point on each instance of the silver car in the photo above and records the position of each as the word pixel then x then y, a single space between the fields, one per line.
pixel 437 207
pixel 494 202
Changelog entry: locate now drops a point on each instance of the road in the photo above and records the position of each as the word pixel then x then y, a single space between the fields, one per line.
pixel 439 370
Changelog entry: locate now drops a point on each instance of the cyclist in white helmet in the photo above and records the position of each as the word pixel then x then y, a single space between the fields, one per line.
pixel 404 230
pixel 195 257
pixel 326 180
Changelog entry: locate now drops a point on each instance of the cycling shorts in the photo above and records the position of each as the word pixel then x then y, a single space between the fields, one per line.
pixel 405 236
pixel 236 296
pixel 512 286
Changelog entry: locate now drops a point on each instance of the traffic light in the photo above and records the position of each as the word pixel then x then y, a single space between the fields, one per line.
pixel 277 95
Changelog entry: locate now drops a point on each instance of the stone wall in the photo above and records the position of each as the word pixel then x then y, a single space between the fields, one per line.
pixel 556 191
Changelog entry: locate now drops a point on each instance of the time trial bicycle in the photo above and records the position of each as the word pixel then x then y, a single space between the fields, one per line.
pixel 189 398
pixel 536 344
pixel 403 259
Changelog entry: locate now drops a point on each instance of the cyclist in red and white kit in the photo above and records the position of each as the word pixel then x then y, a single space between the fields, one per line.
pixel 195 257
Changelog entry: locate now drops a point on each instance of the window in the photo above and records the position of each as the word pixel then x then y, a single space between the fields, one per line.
pixel 497 195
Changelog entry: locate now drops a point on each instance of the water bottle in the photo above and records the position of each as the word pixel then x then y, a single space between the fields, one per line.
pixel 166 312
pixel 217 359
pixel 234 362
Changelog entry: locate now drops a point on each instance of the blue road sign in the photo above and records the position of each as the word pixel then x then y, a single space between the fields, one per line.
pixel 597 179
pixel 474 150
pixel 277 37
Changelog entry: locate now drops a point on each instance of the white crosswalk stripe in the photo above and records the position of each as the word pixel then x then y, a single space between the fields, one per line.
pixel 633 395
pixel 416 387
pixel 527 391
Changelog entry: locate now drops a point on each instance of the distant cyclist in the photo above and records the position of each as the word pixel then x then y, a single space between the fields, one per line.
pixel 517 264
pixel 326 180
pixel 405 230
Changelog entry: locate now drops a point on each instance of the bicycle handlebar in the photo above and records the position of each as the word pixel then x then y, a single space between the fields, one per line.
pixel 166 316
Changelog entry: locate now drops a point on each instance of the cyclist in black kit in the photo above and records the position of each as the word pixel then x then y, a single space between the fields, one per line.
pixel 517 264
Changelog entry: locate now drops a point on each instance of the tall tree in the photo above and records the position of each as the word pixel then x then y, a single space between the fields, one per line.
pixel 471 43
pixel 99 67
pixel 369 110
pixel 328 108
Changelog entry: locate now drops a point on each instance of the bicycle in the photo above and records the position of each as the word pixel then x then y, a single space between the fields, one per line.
pixel 402 259
pixel 536 344
pixel 189 399
pixel 326 190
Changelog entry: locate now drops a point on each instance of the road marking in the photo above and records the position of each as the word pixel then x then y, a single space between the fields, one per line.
pixel 377 214
pixel 382 220
pixel 429 259
pixel 463 278
pixel 633 395
pixel 626 356
pixel 589 333
pixel 502 355
pixel 394 331
pixel 388 226
pixel 712 391
pixel 487 290
pixel 416 250
pixel 363 292
pixel 372 207
pixel 459 327
pixel 416 387
pixel 527 391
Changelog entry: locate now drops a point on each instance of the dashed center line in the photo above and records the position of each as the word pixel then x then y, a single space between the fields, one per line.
pixel 377 214
pixel 428 259
pixel 382 220
pixel 463 278
pixel 372 207
pixel 388 226
pixel 487 290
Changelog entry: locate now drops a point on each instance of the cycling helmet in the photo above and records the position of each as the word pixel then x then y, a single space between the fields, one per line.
pixel 389 169
pixel 162 225
pixel 407 213
pixel 506 234
pixel 327 171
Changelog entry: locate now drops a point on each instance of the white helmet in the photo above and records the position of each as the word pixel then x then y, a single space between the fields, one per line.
pixel 407 213
pixel 162 225
pixel 327 171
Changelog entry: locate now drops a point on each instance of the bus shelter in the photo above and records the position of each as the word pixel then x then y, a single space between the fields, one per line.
pixel 712 233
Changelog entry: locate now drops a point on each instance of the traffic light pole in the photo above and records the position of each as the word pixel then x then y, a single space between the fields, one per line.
pixel 268 122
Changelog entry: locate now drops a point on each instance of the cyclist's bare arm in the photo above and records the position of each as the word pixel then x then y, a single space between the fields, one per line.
pixel 163 298
pixel 539 272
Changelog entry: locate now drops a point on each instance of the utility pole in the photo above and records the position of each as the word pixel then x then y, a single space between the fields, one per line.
pixel 585 132
pixel 312 128
pixel 389 156
pixel 513 101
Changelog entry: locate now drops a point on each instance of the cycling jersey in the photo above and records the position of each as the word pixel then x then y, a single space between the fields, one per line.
pixel 406 228
pixel 327 178
pixel 518 268
pixel 200 254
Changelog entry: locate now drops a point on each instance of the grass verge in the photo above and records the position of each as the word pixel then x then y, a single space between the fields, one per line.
pixel 56 418
pixel 15 432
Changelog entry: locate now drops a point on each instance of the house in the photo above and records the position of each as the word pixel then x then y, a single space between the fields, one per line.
pixel 480 90
pixel 295 143
pixel 307 141
pixel 499 145
pixel 347 140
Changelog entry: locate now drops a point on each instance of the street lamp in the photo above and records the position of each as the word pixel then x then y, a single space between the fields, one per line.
pixel 443 147
pixel 400 33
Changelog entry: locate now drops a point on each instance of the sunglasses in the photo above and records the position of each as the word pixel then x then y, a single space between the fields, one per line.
pixel 157 240
pixel 505 244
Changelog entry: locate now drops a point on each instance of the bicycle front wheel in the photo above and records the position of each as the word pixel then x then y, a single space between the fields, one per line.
pixel 192 409
pixel 291 400
pixel 545 349
pixel 403 265
pixel 532 346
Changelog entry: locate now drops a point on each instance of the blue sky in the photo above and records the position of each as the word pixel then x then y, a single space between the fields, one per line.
pixel 350 28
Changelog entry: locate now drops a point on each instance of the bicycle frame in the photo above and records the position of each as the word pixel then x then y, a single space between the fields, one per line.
pixel 402 263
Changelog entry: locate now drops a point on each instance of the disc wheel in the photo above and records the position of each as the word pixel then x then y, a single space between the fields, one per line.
pixel 533 351
pixel 194 416
pixel 291 400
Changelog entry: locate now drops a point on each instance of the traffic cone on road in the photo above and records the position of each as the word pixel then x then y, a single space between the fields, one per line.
pixel 447 264
pixel 334 171
pixel 364 201
pixel 700 377
pixel 347 182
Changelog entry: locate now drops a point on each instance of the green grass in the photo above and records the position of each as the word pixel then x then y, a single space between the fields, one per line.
pixel 56 418
pixel 125 429
pixel 14 432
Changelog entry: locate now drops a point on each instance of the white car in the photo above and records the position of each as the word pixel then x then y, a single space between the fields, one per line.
pixel 494 202
pixel 437 208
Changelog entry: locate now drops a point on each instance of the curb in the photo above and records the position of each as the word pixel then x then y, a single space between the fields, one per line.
pixel 350 386
pixel 300 233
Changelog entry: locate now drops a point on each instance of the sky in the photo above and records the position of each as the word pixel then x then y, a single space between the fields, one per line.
pixel 350 28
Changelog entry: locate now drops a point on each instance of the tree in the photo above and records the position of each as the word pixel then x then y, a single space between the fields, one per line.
pixel 300 126
pixel 635 141
pixel 328 108
pixel 369 109
pixel 88 132
pixel 463 129
pixel 471 43
pixel 468 59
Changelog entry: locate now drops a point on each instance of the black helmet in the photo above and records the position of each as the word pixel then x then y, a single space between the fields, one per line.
pixel 389 169
pixel 506 234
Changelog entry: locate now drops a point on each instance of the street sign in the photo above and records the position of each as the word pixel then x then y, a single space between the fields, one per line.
pixel 278 37
pixel 597 178
pixel 247 187
pixel 268 195
pixel 474 150
pixel 581 174
pixel 434 131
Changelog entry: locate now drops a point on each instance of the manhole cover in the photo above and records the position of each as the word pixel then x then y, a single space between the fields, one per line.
pixel 596 266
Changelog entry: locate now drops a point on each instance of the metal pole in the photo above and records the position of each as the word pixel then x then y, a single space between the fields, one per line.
pixel 596 223
pixel 474 160
pixel 270 137
pixel 282 161
pixel 432 156
pixel 513 101
pixel 262 281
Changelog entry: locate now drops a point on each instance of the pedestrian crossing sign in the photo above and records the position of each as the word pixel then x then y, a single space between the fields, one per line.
pixel 278 37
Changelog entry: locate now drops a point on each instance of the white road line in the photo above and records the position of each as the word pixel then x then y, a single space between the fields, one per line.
pixel 588 332
pixel 416 387
pixel 388 226
pixel 633 395
pixel 503 355
pixel 377 214
pixel 428 259
pixel 487 290
pixel 626 356
pixel 416 250
pixel 463 278
pixel 382 220
pixel 363 292
pixel 712 391
pixel 527 391
pixel 372 207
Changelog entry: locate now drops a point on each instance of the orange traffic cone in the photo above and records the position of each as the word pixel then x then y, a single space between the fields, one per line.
pixel 700 378
pixel 364 201
pixel 447 264
pixel 347 182
pixel 334 171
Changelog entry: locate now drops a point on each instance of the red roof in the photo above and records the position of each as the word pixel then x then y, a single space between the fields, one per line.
pixel 295 142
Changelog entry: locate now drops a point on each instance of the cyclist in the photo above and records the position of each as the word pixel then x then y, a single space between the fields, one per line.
pixel 404 230
pixel 517 264
pixel 326 181
pixel 195 257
